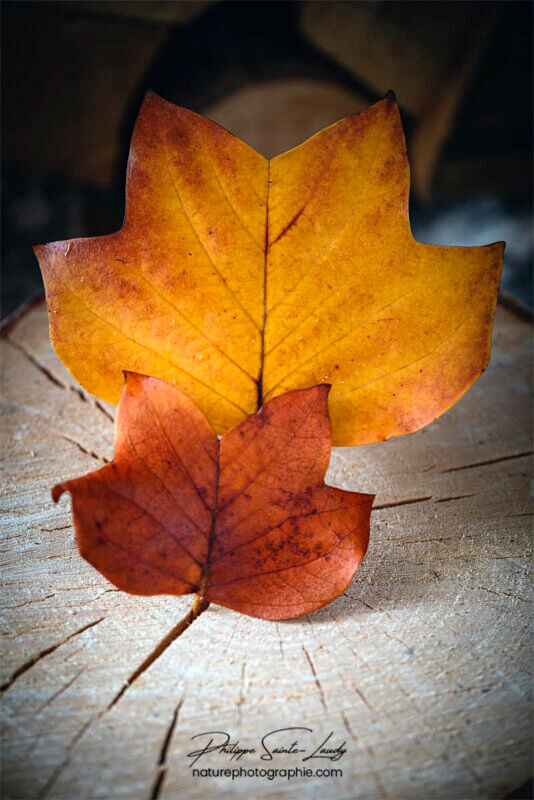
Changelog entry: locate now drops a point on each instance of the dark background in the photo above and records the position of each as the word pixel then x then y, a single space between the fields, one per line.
pixel 74 75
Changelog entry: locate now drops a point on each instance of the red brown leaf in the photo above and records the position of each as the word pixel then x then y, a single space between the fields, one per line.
pixel 246 521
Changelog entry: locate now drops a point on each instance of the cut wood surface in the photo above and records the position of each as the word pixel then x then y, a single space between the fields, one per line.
pixel 422 667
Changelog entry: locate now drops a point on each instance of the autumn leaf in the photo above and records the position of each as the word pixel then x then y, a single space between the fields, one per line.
pixel 239 279
pixel 246 522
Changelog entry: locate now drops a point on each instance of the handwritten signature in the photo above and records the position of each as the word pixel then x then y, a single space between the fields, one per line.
pixel 295 741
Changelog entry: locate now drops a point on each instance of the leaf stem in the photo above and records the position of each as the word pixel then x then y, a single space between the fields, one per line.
pixel 199 605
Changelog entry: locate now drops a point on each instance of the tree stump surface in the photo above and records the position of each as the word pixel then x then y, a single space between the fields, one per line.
pixel 421 667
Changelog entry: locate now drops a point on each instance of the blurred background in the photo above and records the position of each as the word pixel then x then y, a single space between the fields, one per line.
pixel 274 73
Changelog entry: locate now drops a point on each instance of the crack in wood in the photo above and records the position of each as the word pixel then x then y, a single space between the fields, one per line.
pixel 351 597
pixel 162 765
pixel 490 461
pixel 363 698
pixel 56 381
pixel 42 369
pixel 66 554
pixel 43 653
pixel 28 602
pixel 51 782
pixel 456 497
pixel 348 726
pixel 106 591
pixel 83 449
pixel 241 698
pixel 370 753
pixel 410 650
pixel 403 503
pixel 60 691
pixel 71 655
pixel 199 606
pixel 316 679
pixel 399 540
pixel 60 528
pixel 98 405
pixel 499 594
pixel 281 646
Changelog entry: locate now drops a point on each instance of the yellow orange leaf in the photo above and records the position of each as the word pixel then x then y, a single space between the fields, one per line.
pixel 238 279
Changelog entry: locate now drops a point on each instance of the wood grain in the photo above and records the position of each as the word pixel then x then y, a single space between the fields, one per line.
pixel 422 666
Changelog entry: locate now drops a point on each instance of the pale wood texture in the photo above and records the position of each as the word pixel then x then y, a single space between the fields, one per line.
pixel 274 116
pixel 422 666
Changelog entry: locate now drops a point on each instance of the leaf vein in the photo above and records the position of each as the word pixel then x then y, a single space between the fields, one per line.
pixel 404 366
pixel 202 245
pixel 175 451
pixel 343 226
pixel 268 463
pixel 226 195
pixel 151 516
pixel 198 330
pixel 151 350
pixel 275 571
pixel 150 469
pixel 275 527
pixel 343 336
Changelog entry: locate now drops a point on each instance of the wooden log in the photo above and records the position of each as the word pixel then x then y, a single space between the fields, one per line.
pixel 274 116
pixel 421 668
